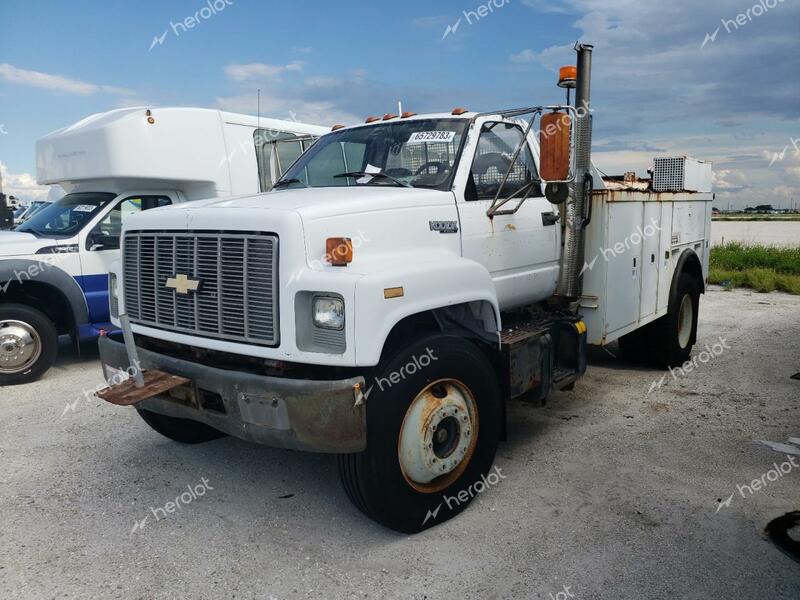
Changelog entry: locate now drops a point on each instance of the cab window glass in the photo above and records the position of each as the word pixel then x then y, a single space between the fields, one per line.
pixel 276 151
pixel 106 234
pixel 496 148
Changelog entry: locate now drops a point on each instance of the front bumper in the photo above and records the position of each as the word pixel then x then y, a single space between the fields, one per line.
pixel 317 416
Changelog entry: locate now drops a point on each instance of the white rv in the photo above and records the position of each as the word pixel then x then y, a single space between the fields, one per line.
pixel 54 267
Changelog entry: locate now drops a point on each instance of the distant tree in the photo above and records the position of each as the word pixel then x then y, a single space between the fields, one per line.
pixel 764 208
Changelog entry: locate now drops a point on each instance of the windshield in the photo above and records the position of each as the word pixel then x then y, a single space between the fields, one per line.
pixel 66 217
pixel 418 153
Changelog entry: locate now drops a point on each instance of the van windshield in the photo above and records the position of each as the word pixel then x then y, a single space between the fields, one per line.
pixel 418 153
pixel 66 217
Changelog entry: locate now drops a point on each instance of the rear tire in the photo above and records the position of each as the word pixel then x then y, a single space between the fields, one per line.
pixel 28 344
pixel 671 337
pixel 184 431
pixel 446 415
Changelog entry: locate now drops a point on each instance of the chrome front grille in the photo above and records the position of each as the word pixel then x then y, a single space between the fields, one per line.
pixel 237 273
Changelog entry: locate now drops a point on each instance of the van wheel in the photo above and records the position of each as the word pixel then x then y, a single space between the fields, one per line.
pixel 184 431
pixel 671 337
pixel 28 344
pixel 433 424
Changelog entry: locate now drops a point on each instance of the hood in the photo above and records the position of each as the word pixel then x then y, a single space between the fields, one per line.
pixel 324 201
pixel 17 243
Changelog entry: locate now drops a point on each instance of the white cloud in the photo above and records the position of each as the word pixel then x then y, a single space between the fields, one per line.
pixel 22 185
pixel 292 108
pixel 730 180
pixel 525 56
pixel 548 6
pixel 255 71
pixel 56 83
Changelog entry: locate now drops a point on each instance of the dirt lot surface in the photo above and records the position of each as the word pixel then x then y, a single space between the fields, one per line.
pixel 612 490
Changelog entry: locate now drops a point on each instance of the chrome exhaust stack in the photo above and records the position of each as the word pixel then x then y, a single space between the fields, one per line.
pixel 571 283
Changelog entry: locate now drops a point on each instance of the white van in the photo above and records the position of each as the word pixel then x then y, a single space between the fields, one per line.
pixel 54 267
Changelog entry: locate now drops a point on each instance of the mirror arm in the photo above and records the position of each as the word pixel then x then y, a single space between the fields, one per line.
pixel 514 156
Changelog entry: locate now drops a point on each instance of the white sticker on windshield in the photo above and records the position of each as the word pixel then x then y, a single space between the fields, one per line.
pixel 84 208
pixel 422 137
pixel 367 178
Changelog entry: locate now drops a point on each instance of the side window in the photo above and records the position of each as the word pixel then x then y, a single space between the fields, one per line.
pixel 276 151
pixel 287 152
pixel 106 234
pixel 496 147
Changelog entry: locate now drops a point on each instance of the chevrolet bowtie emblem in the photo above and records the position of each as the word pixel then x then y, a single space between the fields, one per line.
pixel 182 284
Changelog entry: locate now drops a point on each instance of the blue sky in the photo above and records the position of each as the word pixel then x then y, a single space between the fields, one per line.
pixel 664 83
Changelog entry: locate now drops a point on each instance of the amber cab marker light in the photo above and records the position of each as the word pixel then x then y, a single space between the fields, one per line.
pixel 389 117
pixel 339 251
pixel 335 127
pixel 459 111
pixel 372 119
pixel 407 114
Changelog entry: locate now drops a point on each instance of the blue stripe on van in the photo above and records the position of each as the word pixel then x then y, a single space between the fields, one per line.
pixel 95 289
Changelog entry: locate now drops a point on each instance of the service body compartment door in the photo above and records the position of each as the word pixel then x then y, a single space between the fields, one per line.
pixel 624 258
pixel 651 257
pixel 665 256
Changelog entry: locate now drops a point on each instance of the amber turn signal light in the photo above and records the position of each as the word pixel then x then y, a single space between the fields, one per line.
pixel 339 251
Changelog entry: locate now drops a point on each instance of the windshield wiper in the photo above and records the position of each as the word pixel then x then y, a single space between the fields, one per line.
pixel 376 174
pixel 283 182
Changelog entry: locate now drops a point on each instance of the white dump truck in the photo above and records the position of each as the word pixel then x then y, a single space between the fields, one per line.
pixel 54 266
pixel 405 280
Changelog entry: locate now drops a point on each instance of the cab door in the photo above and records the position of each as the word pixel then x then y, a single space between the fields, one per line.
pixel 520 250
pixel 99 247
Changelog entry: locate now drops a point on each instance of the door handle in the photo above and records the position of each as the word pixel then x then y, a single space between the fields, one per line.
pixel 549 218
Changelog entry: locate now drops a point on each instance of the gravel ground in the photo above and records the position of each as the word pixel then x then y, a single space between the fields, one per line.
pixel 610 491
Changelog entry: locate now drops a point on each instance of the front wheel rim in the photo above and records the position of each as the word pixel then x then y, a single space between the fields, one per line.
pixel 438 435
pixel 685 321
pixel 20 346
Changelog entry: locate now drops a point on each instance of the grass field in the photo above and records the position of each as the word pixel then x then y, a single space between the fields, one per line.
pixel 762 268
pixel 746 217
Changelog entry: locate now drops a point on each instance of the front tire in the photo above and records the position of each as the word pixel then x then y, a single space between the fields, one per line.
pixel 28 344
pixel 433 424
pixel 184 431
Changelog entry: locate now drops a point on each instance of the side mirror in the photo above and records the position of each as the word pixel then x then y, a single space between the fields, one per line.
pixel 554 147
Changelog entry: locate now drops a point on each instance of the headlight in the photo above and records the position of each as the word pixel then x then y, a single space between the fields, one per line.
pixel 113 295
pixel 328 313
